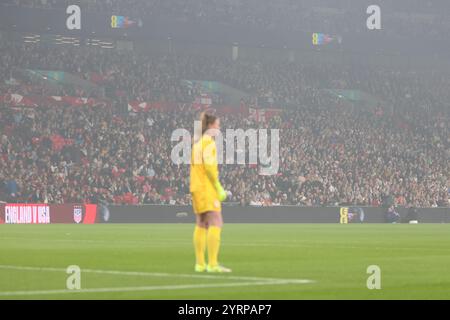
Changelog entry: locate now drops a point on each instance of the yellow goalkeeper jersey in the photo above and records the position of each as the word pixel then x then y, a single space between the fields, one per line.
pixel 204 175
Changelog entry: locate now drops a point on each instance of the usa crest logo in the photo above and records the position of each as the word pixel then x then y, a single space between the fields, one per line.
pixel 77 214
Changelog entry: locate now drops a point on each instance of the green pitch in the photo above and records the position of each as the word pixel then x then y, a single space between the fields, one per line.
pixel 270 261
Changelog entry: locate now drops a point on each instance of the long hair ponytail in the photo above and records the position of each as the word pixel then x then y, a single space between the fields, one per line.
pixel 206 119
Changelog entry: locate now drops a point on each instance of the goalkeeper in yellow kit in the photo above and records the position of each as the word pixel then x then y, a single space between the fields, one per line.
pixel 207 195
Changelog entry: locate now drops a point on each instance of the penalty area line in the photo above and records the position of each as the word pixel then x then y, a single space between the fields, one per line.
pixel 154 288
pixel 157 274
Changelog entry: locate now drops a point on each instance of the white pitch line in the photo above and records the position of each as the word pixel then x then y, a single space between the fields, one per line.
pixel 155 274
pixel 153 288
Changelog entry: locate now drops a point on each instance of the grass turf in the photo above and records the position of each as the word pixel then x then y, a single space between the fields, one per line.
pixel 414 261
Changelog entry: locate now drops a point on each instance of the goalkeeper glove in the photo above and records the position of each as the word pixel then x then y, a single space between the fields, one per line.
pixel 220 191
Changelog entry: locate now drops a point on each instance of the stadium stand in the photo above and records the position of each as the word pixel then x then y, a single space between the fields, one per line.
pixel 332 151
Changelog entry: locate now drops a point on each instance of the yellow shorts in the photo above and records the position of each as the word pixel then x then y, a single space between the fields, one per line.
pixel 203 202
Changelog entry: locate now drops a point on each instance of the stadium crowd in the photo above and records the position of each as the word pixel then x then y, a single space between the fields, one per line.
pixel 332 151
pixel 305 15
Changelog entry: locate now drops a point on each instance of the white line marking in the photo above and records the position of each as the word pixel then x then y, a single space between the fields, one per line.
pixel 155 274
pixel 251 281
pixel 153 288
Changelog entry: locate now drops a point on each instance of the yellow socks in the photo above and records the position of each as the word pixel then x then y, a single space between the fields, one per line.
pixel 200 245
pixel 213 245
pixel 210 236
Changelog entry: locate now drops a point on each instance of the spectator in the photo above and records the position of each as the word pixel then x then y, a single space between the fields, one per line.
pixel 332 152
pixel 392 216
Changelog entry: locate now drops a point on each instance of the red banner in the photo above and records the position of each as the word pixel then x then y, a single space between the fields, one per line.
pixel 263 115
pixel 204 101
pixel 139 106
pixel 38 213
pixel 17 100
pixel 225 109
